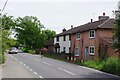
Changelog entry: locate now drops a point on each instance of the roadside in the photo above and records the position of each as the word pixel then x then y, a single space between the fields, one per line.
pixel 12 69
pixel 109 66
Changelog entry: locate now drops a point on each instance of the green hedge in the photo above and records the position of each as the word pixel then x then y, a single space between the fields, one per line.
pixel 109 65
pixel 96 64
pixel 2 58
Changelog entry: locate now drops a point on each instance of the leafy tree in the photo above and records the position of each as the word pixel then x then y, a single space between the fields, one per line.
pixel 29 32
pixel 6 24
pixel 116 36
pixel 49 33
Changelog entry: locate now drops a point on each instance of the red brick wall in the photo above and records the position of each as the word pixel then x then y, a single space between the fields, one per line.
pixel 90 42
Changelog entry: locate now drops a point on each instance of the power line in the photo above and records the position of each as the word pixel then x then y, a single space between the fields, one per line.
pixel 4 6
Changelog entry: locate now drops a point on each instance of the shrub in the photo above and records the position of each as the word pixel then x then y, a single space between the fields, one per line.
pixel 25 50
pixel 111 65
pixel 2 58
pixel 97 64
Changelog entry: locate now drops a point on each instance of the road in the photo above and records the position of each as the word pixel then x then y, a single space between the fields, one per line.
pixel 33 66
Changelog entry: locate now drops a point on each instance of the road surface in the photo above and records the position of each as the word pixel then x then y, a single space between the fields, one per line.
pixel 33 66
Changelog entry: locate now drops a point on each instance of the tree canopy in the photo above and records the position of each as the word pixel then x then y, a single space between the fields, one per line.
pixel 7 24
pixel 49 33
pixel 116 36
pixel 29 32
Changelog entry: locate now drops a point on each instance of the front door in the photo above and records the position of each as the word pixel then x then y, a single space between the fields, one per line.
pixel 86 53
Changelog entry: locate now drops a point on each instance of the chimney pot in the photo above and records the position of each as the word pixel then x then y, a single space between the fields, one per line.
pixel 71 26
pixel 91 20
pixel 103 14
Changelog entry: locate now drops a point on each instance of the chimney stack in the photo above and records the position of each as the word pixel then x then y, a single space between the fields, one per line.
pixel 103 17
pixel 64 30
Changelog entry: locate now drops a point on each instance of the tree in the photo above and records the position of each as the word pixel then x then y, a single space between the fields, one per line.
pixel 29 32
pixel 49 33
pixel 6 24
pixel 116 36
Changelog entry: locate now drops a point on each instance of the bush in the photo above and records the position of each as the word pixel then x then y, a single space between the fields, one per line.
pixel 31 51
pixel 2 58
pixel 111 65
pixel 97 64
pixel 25 50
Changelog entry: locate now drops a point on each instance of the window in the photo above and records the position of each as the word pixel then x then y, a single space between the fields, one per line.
pixel 92 50
pixel 57 38
pixel 76 51
pixel 64 38
pixel 69 49
pixel 92 34
pixel 78 36
pixel 64 49
pixel 69 37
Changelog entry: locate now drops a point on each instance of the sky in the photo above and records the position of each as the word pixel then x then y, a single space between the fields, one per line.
pixel 58 14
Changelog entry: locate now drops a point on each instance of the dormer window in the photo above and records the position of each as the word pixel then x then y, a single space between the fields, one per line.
pixel 92 34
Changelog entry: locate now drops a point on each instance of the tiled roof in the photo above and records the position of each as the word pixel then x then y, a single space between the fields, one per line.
pixel 105 24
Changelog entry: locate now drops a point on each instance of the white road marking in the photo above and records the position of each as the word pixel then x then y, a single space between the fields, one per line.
pixel 27 67
pixel 98 71
pixel 90 69
pixel 40 76
pixel 47 63
pixel 35 73
pixel 24 64
pixel 66 71
pixel 69 72
pixel 30 69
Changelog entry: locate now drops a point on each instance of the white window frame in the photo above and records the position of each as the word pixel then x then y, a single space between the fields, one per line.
pixel 76 51
pixel 90 52
pixel 90 32
pixel 77 37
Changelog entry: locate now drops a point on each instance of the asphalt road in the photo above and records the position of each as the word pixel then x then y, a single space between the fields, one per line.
pixel 38 67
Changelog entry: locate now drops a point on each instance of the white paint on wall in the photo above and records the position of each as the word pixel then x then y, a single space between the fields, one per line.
pixel 62 43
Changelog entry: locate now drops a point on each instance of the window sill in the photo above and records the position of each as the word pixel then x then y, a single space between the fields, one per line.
pixel 78 39
pixel 91 54
pixel 77 55
pixel 92 37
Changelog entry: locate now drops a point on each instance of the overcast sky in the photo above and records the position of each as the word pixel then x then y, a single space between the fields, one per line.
pixel 59 14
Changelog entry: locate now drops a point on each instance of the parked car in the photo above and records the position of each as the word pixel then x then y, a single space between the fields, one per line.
pixel 13 50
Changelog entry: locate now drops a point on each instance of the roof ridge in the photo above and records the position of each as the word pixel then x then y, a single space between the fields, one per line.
pixel 103 22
